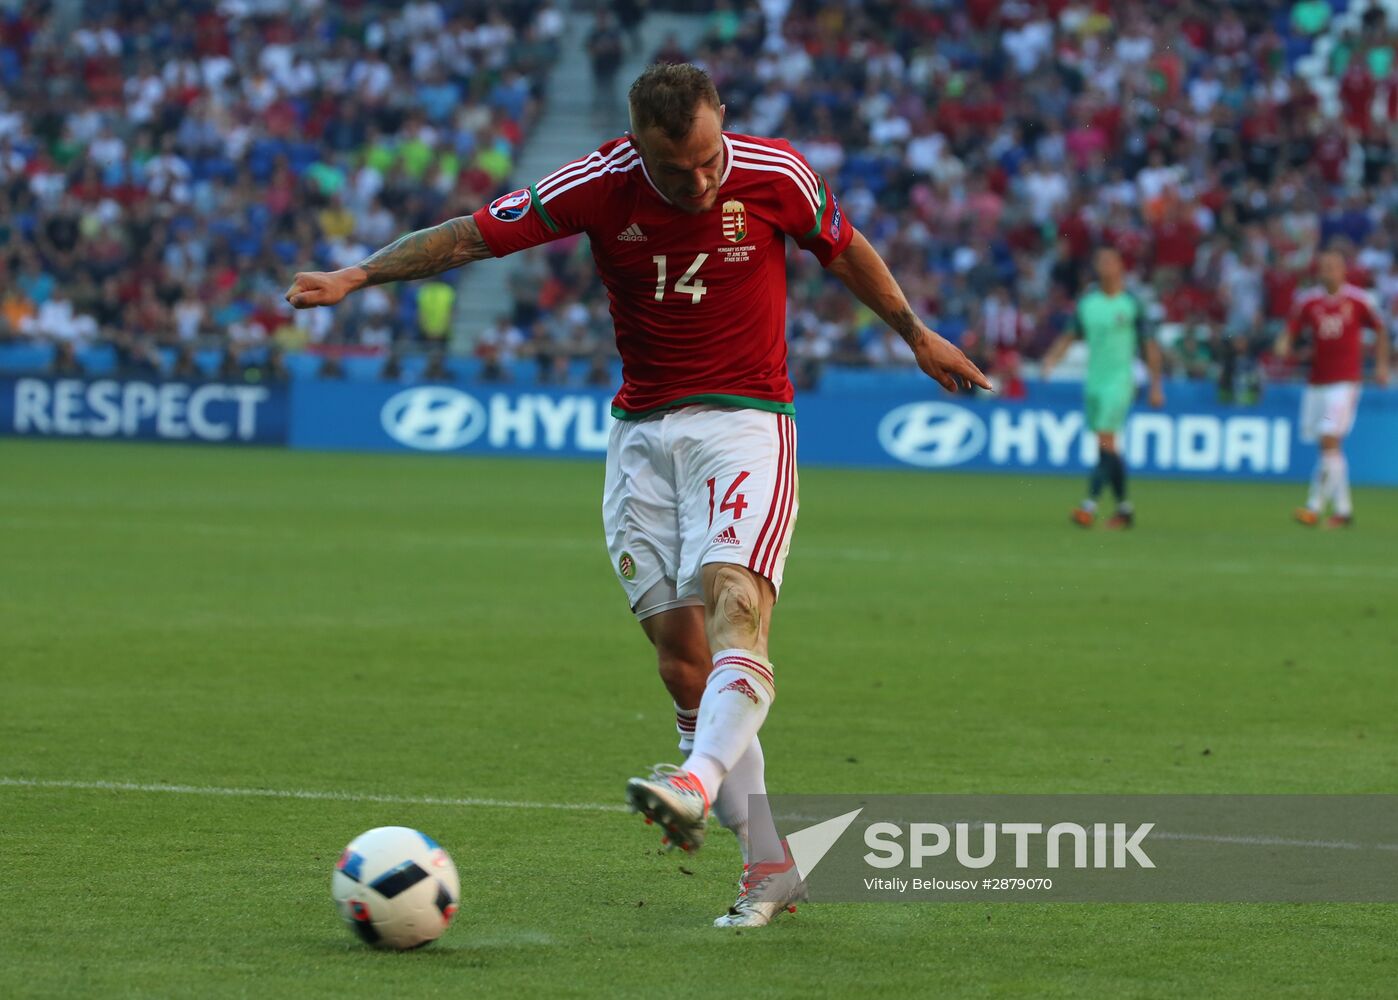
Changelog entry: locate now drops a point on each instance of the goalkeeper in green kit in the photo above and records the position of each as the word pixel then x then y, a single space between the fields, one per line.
pixel 1112 321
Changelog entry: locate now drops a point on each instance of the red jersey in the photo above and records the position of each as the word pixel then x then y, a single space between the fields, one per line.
pixel 698 301
pixel 1337 325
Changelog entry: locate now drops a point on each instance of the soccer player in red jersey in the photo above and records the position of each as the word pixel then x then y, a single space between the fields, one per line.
pixel 1336 315
pixel 688 226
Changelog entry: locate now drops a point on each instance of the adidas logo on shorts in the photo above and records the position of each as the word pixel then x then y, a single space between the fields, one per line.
pixel 633 234
pixel 727 537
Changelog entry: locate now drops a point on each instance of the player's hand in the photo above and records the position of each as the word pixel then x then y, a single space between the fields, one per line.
pixel 946 363
pixel 320 288
pixel 1381 374
pixel 1282 348
pixel 1157 396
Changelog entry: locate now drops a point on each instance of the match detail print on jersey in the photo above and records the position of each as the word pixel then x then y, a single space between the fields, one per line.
pixel 698 300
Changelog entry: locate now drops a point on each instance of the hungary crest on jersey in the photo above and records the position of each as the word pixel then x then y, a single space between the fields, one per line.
pixel 735 222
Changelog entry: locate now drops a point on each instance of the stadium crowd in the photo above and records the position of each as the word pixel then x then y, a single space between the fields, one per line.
pixel 163 166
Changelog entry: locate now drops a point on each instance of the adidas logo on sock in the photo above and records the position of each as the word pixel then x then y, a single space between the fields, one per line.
pixel 632 233
pixel 742 687
pixel 727 537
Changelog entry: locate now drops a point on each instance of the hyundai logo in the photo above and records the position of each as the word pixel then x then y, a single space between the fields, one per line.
pixel 433 418
pixel 932 435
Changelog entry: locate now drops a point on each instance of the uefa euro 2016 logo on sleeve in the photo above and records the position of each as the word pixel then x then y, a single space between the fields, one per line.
pixel 510 207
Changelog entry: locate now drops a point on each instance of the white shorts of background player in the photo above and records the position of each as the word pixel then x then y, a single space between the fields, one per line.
pixel 1328 410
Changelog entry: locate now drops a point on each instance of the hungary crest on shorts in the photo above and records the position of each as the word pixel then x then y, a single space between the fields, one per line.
pixel 735 222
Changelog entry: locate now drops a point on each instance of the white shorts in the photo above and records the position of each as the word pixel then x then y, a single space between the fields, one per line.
pixel 1328 410
pixel 697 485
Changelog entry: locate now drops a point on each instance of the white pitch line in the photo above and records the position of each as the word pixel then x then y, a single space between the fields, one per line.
pixel 305 794
pixel 432 800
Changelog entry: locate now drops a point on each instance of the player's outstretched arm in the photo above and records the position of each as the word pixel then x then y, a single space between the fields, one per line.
pixel 1155 363
pixel 417 255
pixel 866 275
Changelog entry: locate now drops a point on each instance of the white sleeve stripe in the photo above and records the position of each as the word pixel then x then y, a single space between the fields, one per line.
pixel 572 181
pixel 614 168
pixel 779 156
pixel 779 169
pixel 591 162
pixel 747 159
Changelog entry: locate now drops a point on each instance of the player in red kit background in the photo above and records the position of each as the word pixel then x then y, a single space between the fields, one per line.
pixel 1335 315
pixel 688 225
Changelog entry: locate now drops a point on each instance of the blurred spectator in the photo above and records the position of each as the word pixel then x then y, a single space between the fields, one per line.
pixel 605 49
pixel 437 370
pixel 330 368
pixel 186 367
pixel 65 361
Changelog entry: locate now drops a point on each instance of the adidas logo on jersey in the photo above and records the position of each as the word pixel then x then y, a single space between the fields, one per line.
pixel 727 537
pixel 632 234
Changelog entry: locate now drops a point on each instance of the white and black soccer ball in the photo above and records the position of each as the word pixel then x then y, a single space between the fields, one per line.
pixel 396 887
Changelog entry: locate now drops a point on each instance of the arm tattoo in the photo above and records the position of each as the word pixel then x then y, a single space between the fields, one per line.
pixel 905 322
pixel 427 252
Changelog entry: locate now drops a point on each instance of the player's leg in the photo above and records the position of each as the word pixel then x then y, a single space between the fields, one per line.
pixel 1108 447
pixel 1110 423
pixel 1312 413
pixel 1335 481
pixel 1341 406
pixel 737 510
pixel 738 506
pixel 740 688
pixel 742 534
pixel 1328 413
pixel 1085 513
pixel 1106 409
pixel 681 653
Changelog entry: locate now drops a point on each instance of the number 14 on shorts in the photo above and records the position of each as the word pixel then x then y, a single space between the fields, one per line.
pixel 732 499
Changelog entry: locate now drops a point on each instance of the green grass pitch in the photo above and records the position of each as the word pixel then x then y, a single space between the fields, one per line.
pixel 399 626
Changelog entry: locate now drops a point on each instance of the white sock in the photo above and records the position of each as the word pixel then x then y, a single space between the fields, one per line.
pixel 734 706
pixel 684 724
pixel 1316 500
pixel 1338 481
pixel 750 820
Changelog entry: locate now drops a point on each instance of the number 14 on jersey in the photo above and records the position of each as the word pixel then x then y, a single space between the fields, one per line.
pixel 687 284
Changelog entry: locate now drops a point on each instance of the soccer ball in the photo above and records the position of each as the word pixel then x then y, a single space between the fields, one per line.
pixel 396 887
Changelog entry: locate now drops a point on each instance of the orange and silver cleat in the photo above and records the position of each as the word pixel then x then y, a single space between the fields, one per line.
pixel 764 891
pixel 1082 517
pixel 673 799
pixel 1306 516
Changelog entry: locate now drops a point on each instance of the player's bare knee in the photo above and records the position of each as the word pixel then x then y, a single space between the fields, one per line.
pixel 734 608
